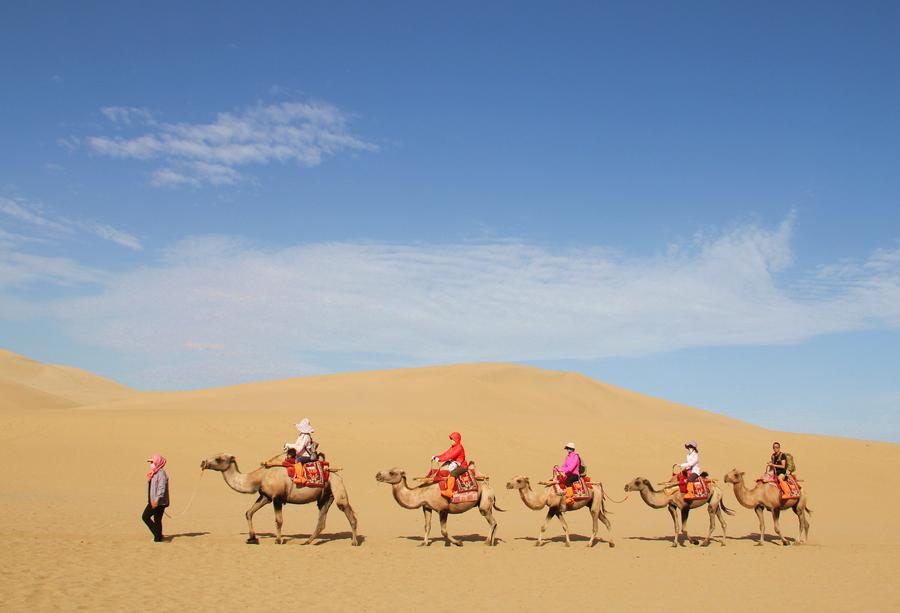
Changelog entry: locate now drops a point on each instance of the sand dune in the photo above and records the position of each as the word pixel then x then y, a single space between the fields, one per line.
pixel 82 546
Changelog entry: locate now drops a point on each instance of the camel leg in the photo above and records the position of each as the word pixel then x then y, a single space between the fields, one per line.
pixel 724 525
pixel 712 523
pixel 256 506
pixel 595 526
pixel 489 516
pixel 676 523
pixel 279 520
pixel 351 517
pixel 684 517
pixel 427 513
pixel 324 504
pixel 760 513
pixel 565 526
pixel 776 513
pixel 608 524
pixel 442 515
pixel 550 513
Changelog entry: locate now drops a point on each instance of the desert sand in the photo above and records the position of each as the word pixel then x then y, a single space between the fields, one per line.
pixel 73 448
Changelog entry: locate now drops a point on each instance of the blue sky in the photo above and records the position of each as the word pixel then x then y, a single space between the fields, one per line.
pixel 695 201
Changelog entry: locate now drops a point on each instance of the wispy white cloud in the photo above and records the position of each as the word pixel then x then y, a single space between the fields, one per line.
pixel 211 153
pixel 128 115
pixel 494 301
pixel 36 216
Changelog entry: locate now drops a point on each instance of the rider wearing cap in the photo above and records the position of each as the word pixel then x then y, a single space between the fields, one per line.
pixel 455 457
pixel 571 471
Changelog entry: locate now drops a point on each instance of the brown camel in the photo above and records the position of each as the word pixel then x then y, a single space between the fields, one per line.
pixel 273 485
pixel 428 497
pixel 658 499
pixel 555 507
pixel 767 496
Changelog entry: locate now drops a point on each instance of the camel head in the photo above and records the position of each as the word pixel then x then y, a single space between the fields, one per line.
pixel 392 476
pixel 518 483
pixel 219 462
pixel 734 476
pixel 637 484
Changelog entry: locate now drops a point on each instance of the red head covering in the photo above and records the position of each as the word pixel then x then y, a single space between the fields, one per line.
pixel 455 437
pixel 156 462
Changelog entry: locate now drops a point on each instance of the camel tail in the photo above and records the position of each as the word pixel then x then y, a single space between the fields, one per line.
pixel 724 508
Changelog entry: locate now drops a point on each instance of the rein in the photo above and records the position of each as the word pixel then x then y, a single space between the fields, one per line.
pixel 190 501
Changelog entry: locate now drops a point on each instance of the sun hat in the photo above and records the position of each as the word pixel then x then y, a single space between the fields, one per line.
pixel 304 426
pixel 569 445
pixel 691 444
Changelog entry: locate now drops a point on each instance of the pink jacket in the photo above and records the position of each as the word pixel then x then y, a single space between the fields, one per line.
pixel 572 465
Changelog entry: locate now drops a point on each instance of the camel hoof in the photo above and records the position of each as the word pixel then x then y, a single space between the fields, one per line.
pixel 252 541
pixel 354 543
pixel 307 542
pixel 758 544
pixel 611 544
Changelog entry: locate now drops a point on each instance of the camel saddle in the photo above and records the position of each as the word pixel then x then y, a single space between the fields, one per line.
pixel 701 489
pixel 466 487
pixel 581 489
pixel 311 474
pixel 793 486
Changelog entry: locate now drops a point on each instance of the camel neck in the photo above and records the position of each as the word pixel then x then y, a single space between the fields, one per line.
pixel 240 482
pixel 403 495
pixel 655 499
pixel 531 499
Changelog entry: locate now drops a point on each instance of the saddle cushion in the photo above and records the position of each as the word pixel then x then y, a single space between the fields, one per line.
pixel 314 474
pixel 581 489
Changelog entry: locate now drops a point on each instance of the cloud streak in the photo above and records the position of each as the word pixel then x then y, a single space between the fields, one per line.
pixel 36 217
pixel 416 304
pixel 211 153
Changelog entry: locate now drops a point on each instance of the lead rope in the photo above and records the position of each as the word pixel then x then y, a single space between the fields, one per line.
pixel 190 501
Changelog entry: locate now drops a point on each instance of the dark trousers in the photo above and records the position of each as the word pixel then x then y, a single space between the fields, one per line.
pixel 570 479
pixel 153 518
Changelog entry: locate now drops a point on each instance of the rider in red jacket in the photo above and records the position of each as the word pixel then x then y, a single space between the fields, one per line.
pixel 455 457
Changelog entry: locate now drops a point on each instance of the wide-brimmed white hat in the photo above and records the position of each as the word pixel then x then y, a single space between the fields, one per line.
pixel 304 426
pixel 569 445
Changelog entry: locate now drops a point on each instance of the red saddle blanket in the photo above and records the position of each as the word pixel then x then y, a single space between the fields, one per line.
pixel 464 490
pixel 700 486
pixel 311 474
pixel 791 480
pixel 581 489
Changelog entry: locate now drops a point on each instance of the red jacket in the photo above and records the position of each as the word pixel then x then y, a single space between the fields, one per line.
pixel 456 453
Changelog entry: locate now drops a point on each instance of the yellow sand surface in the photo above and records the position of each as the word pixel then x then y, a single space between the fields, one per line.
pixel 74 485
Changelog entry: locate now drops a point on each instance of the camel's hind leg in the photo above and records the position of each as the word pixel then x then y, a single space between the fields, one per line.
pixel 256 506
pixel 712 509
pixel 684 517
pixel 803 516
pixel 565 526
pixel 279 519
pixel 724 525
pixel 324 503
pixel 442 515
pixel 598 513
pixel 427 512
pixel 488 514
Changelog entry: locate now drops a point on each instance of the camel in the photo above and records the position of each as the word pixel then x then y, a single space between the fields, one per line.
pixel 660 499
pixel 428 497
pixel 555 507
pixel 273 485
pixel 767 496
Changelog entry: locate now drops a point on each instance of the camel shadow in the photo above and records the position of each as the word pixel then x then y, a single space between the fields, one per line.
pixel 575 538
pixel 171 537
pixel 320 540
pixel 767 538
pixel 465 538
pixel 696 541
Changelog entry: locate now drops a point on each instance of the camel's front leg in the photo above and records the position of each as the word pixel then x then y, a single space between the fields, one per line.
pixel 279 520
pixel 684 517
pixel 427 512
pixel 776 513
pixel 550 513
pixel 324 505
pixel 565 526
pixel 760 513
pixel 676 523
pixel 256 506
pixel 442 515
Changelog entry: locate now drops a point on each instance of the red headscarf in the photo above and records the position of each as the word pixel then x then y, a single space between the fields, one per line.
pixel 156 462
